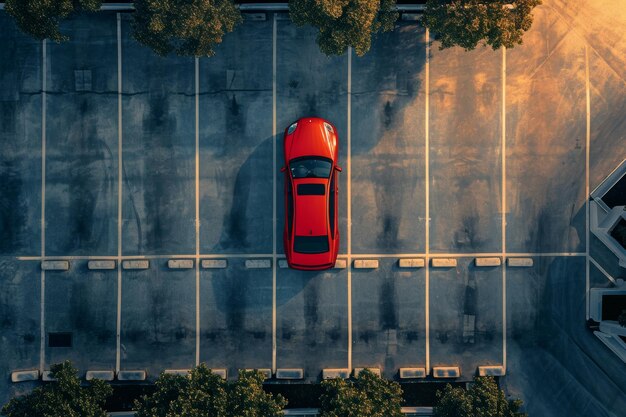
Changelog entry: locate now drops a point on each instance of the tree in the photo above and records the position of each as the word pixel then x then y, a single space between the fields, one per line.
pixel 484 398
pixel 344 23
pixel 185 27
pixel 367 396
pixel 63 398
pixel 41 18
pixel 622 319
pixel 205 394
pixel 466 23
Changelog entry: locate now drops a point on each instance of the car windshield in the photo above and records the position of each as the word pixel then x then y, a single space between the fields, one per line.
pixel 310 244
pixel 310 167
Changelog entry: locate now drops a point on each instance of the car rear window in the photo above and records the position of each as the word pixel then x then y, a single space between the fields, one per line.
pixel 310 244
pixel 311 189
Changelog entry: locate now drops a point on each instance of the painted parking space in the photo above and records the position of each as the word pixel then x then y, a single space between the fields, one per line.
pixel 236 317
pixel 158 318
pixel 20 138
pixel 81 151
pixel 87 312
pixel 158 133
pixel 388 145
pixel 465 150
pixel 308 83
pixel 466 316
pixel 546 216
pixel 235 122
pixel 312 320
pixel 388 319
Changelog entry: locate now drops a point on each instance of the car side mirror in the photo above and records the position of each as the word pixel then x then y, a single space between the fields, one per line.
pixel 283 169
pixel 337 168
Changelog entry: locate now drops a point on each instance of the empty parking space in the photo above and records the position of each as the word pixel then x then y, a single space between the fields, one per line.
pixel 235 120
pixel 81 149
pixel 158 132
pixel 82 327
pixel 20 138
pixel 546 141
pixel 388 136
pixel 466 316
pixel 236 317
pixel 158 318
pixel 308 83
pixel 312 320
pixel 465 150
pixel 388 318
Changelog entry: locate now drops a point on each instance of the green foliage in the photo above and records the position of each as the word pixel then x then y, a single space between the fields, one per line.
pixel 344 23
pixel 41 18
pixel 367 396
pixel 484 398
pixel 205 394
pixel 622 319
pixel 64 398
pixel 466 23
pixel 185 27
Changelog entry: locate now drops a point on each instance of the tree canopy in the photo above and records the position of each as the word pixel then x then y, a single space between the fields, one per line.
pixel 63 398
pixel 483 398
pixel 466 23
pixel 41 18
pixel 205 394
pixel 184 27
pixel 343 23
pixel 367 396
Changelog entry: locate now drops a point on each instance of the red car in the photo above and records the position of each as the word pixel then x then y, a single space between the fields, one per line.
pixel 311 235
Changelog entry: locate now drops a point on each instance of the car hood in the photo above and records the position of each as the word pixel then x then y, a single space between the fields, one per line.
pixel 310 138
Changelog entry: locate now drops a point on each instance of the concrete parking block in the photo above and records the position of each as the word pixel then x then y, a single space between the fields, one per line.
pixel 375 371
pixel 443 263
pixel 408 373
pixel 411 17
pixel 446 372
pixel 214 263
pixel 46 376
pixel 259 17
pixel 520 262
pixel 282 263
pixel 182 372
pixel 341 264
pixel 221 372
pixel 267 373
pixel 331 373
pixel 103 375
pixel 136 264
pixel 180 263
pixel 258 263
pixel 22 376
pixel 491 370
pixel 55 265
pixel 494 261
pixel 103 264
pixel 136 375
pixel 366 263
pixel 412 263
pixel 290 373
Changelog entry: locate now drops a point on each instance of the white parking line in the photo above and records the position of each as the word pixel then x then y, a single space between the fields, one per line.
pixel 349 192
pixel 274 195
pixel 427 197
pixel 503 203
pixel 597 265
pixel 197 126
pixel 42 304
pixel 587 152
pixel 118 325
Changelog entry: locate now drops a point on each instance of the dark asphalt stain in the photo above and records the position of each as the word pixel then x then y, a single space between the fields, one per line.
pixel 286 331
pixel 367 335
pixel 12 209
pixel 387 305
pixel 442 337
pixel 411 336
pixel 334 334
pixel 311 301
pixel 388 115
pixel 80 311
pixel 28 338
pixel 158 310
pixel 236 303
pixel 471 296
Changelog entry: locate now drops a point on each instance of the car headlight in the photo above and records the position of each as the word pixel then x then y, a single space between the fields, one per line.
pixel 292 128
pixel 329 127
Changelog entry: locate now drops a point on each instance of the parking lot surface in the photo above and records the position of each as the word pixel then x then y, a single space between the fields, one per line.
pixel 112 153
